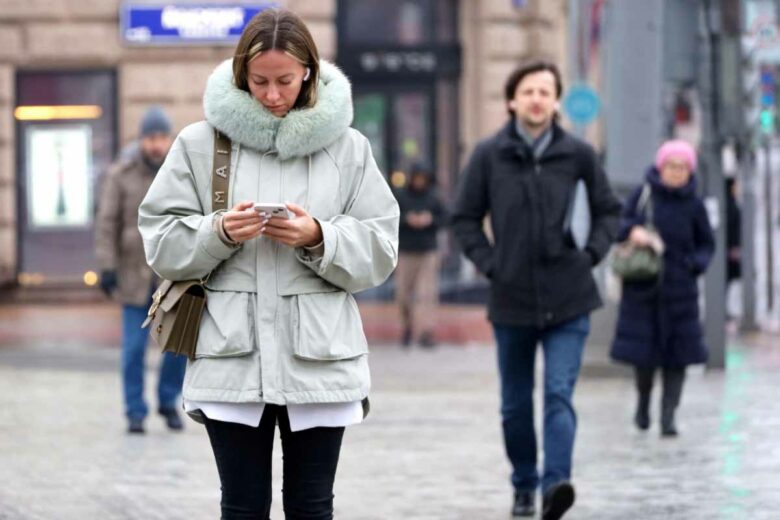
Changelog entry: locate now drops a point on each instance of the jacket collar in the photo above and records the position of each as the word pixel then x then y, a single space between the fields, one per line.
pixel 137 160
pixel 512 144
pixel 301 132
pixel 653 177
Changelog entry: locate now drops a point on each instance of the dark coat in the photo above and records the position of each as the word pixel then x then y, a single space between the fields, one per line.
pixel 416 240
pixel 118 242
pixel 538 277
pixel 733 235
pixel 659 324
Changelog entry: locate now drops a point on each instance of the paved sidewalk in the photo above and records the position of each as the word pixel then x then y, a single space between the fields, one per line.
pixel 431 448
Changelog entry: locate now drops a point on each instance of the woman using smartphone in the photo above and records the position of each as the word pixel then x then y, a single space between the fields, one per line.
pixel 281 341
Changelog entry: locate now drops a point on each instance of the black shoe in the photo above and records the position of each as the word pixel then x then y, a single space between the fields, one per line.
pixel 135 426
pixel 524 504
pixel 172 418
pixel 668 426
pixel 668 429
pixel 426 340
pixel 558 499
pixel 642 419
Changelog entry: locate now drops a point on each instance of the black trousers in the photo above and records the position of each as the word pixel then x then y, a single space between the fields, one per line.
pixel 243 456
pixel 673 379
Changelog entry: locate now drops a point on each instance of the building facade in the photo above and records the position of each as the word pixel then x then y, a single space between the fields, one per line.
pixel 427 78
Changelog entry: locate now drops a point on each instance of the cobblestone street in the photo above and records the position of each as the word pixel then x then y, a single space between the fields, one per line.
pixel 431 448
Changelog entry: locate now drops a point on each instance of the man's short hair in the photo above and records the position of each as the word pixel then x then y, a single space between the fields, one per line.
pixel 530 67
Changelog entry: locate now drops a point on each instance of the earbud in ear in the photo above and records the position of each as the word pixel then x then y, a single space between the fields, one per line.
pixel 308 73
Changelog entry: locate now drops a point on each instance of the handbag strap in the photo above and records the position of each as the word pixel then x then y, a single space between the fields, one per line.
pixel 220 183
pixel 645 205
pixel 220 179
pixel 220 176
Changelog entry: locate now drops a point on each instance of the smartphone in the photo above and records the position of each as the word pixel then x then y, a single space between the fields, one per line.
pixel 272 209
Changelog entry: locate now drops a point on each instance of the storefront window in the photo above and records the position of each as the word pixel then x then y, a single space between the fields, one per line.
pixel 59 175
pixel 66 137
pixel 404 22
pixel 411 111
pixel 371 121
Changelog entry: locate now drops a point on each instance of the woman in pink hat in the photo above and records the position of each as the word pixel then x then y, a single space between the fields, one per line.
pixel 658 325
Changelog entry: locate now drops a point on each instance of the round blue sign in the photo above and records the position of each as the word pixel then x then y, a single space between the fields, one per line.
pixel 581 104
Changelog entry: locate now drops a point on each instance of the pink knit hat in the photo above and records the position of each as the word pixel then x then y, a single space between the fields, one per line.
pixel 678 148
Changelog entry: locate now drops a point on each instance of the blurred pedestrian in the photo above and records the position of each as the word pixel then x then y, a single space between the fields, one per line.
pixel 417 276
pixel 125 275
pixel 280 340
pixel 733 235
pixel 541 286
pixel 658 325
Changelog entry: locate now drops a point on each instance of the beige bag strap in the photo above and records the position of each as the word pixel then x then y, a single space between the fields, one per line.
pixel 220 179
pixel 220 182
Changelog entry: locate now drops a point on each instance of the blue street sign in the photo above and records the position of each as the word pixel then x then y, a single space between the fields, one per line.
pixel 581 104
pixel 767 88
pixel 183 24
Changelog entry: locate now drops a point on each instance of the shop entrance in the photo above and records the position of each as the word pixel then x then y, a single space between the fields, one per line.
pixel 66 136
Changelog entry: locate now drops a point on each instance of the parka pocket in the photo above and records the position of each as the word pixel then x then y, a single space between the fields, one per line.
pixel 227 328
pixel 328 327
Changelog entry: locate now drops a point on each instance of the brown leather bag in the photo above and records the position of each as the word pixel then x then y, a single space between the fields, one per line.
pixel 177 307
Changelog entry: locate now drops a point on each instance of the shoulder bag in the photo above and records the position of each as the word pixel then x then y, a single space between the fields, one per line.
pixel 635 263
pixel 176 309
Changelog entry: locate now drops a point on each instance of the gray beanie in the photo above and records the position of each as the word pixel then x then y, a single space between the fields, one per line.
pixel 155 121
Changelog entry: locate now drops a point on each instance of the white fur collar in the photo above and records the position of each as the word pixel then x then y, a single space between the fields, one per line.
pixel 301 132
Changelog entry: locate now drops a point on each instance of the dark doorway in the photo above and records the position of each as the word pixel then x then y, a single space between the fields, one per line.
pixel 66 136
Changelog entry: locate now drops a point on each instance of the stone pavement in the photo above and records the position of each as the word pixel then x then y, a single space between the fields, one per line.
pixel 431 448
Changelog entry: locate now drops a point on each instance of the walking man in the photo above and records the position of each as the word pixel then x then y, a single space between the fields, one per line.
pixel 417 275
pixel 542 290
pixel 125 274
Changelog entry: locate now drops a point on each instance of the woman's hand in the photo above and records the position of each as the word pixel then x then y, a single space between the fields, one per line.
pixel 302 230
pixel 242 222
pixel 640 237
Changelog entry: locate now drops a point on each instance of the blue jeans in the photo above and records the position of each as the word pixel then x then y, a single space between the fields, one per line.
pixel 563 345
pixel 134 340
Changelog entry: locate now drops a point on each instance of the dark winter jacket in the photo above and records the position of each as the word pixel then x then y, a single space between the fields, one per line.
pixel 733 235
pixel 659 324
pixel 118 242
pixel 419 240
pixel 537 275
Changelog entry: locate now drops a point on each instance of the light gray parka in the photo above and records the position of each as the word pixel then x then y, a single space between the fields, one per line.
pixel 280 324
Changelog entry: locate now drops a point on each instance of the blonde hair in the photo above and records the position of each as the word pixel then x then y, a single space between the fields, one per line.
pixel 278 29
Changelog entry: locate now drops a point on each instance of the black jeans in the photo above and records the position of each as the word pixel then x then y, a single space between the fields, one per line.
pixel 673 380
pixel 243 456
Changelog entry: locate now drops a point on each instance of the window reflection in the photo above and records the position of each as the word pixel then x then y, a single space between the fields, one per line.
pixel 400 22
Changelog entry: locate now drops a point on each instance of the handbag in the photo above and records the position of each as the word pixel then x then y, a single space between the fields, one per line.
pixel 177 307
pixel 635 263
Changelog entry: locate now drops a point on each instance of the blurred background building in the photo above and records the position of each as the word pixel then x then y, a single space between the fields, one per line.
pixel 76 75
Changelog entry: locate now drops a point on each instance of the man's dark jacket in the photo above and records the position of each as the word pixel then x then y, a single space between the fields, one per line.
pixel 538 277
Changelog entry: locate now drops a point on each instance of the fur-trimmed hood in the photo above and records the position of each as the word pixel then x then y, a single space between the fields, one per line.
pixel 301 132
